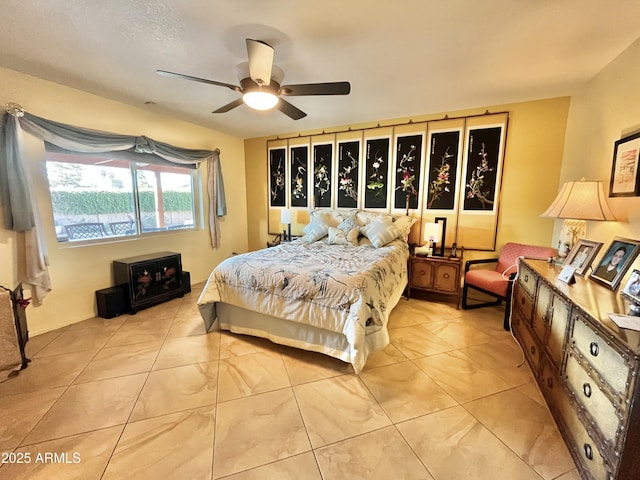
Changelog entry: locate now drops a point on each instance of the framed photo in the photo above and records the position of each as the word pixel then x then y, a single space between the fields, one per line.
pixel 625 181
pixel 582 254
pixel 615 262
pixel 631 290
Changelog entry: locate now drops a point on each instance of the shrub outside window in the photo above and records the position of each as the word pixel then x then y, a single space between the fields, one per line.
pixel 97 196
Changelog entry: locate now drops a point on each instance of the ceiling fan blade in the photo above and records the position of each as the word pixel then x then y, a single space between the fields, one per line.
pixel 229 106
pixel 197 79
pixel 260 61
pixel 289 110
pixel 329 88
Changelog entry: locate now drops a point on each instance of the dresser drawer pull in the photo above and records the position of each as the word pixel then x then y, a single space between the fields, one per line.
pixel 594 349
pixel 587 390
pixel 550 382
pixel 526 278
pixel 533 349
pixel 588 451
pixel 522 301
pixel 446 275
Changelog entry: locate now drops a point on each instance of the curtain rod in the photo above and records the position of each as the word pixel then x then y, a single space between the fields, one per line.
pixel 410 122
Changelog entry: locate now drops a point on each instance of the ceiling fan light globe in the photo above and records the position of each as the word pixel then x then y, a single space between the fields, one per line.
pixel 260 100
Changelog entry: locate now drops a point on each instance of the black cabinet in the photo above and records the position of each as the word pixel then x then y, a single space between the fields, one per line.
pixel 149 279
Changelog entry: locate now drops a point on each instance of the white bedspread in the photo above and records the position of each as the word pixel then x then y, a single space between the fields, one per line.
pixel 341 288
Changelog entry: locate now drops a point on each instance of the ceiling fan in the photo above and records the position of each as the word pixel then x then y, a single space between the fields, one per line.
pixel 260 83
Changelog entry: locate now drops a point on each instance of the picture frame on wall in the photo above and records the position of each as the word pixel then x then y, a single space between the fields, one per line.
pixel 407 171
pixel 322 174
pixel 483 166
pixel 582 255
pixel 631 292
pixel 615 262
pixel 376 180
pixel 277 177
pixel 625 178
pixel 348 184
pixel 443 168
pixel 299 175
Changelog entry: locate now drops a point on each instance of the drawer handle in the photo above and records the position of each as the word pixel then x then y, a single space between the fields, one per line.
pixel 446 275
pixel 522 301
pixel 594 349
pixel 588 451
pixel 533 349
pixel 586 388
pixel 526 278
pixel 550 382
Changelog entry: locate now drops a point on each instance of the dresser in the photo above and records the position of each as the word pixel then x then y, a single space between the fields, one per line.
pixel 585 366
pixel 149 279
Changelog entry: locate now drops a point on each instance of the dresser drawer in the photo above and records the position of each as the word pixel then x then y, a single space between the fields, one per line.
pixel 605 359
pixel 527 279
pixel 531 348
pixel 585 448
pixel 585 389
pixel 523 301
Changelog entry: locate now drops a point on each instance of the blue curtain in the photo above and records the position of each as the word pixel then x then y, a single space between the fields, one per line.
pixel 16 190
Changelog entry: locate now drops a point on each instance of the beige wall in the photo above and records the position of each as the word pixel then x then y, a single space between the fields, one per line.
pixel 606 109
pixel 76 272
pixel 535 142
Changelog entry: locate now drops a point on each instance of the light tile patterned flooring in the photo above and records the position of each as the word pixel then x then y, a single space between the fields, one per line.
pixel 152 396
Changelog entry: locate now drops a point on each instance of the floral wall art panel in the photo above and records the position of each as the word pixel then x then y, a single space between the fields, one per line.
pixel 277 181
pixel 299 175
pixel 348 173
pixel 322 174
pixel 480 191
pixel 376 174
pixel 277 177
pixel 443 170
pixel 442 175
pixel 407 171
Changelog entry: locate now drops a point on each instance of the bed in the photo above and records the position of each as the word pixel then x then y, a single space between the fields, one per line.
pixel 313 293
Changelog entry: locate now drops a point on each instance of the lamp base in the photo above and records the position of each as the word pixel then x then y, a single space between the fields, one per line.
pixel 570 232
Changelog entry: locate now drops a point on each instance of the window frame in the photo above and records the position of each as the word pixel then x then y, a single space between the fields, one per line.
pixel 134 165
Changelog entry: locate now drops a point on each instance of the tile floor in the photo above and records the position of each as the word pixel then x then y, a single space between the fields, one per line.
pixel 152 396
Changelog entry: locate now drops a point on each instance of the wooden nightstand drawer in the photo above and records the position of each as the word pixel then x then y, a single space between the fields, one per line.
pixel 421 274
pixel 435 274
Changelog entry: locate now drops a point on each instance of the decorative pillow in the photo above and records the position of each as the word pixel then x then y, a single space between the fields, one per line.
pixel 349 223
pixel 316 229
pixel 365 218
pixel 332 217
pixel 381 232
pixel 343 237
pixel 404 224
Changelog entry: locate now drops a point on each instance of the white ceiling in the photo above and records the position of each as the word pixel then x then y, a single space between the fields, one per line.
pixel 403 58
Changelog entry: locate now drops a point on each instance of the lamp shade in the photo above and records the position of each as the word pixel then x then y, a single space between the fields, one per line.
pixel 583 200
pixel 431 232
pixel 285 216
pixel 260 100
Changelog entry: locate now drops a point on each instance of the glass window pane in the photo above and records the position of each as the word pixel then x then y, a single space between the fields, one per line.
pixel 166 198
pixel 91 197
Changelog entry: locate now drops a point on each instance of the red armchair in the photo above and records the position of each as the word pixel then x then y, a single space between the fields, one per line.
pixel 498 282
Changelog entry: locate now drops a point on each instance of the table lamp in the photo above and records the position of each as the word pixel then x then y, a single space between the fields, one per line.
pixel 577 202
pixel 285 218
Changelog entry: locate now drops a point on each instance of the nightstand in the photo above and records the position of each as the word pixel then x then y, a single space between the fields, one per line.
pixel 435 274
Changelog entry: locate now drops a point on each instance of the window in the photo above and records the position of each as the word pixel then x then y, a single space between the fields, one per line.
pixel 95 196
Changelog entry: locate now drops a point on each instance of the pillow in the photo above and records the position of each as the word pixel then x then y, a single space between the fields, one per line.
pixel 316 229
pixel 381 231
pixel 349 223
pixel 338 236
pixel 404 224
pixel 332 217
pixel 365 218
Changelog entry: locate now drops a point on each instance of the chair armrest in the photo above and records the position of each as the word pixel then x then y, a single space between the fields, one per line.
pixel 469 263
